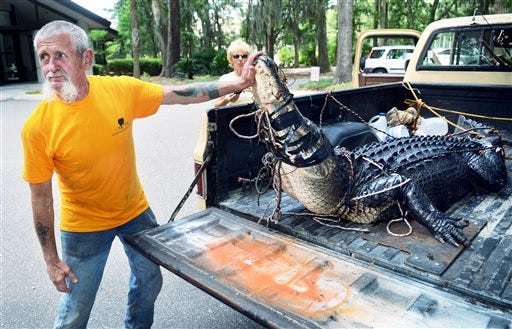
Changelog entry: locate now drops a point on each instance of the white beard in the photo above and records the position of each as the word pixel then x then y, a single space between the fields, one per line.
pixel 68 93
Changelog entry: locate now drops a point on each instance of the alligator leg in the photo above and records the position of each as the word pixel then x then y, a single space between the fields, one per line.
pixel 379 194
pixel 442 227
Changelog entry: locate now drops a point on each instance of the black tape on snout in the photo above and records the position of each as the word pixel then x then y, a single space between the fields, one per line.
pixel 295 157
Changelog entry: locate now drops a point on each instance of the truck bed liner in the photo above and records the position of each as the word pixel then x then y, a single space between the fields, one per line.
pixel 343 278
pixel 482 271
pixel 280 281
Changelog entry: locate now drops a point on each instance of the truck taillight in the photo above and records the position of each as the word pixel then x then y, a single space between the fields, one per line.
pixel 200 183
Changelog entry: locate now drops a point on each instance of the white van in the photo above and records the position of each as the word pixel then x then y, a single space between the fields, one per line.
pixel 388 59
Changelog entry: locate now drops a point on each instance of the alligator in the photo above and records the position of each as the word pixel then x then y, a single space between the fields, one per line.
pixel 418 176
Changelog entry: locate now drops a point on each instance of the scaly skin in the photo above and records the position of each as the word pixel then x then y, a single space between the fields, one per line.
pixel 425 175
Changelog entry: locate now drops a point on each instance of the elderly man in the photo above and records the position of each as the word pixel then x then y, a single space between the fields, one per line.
pixel 82 131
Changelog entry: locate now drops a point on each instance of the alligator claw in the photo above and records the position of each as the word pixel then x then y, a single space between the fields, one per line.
pixel 446 229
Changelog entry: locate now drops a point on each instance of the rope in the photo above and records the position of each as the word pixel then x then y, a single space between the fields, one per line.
pixel 320 218
pixel 402 218
pixel 420 104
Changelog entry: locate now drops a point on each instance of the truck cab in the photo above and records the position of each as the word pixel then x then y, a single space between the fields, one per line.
pixel 470 50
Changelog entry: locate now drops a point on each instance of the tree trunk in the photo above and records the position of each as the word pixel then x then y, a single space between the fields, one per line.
pixel 204 14
pixel 376 14
pixel 152 46
pixel 433 10
pixel 156 8
pixel 321 33
pixel 409 14
pixel 175 31
pixel 344 52
pixel 383 14
pixel 173 36
pixel 296 43
pixel 270 41
pixel 218 26
pixel 135 38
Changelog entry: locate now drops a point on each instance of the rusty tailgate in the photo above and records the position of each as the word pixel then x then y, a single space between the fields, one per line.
pixel 280 281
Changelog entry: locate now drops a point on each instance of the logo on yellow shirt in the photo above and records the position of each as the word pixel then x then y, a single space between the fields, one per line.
pixel 122 125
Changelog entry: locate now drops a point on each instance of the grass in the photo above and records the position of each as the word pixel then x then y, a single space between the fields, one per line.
pixel 33 92
pixel 325 84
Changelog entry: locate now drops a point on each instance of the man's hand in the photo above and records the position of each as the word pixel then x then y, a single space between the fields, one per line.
pixel 58 271
pixel 248 71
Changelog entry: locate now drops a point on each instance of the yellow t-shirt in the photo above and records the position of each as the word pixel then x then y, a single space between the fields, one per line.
pixel 89 145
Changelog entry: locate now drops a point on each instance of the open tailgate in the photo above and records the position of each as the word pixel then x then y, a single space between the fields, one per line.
pixel 281 281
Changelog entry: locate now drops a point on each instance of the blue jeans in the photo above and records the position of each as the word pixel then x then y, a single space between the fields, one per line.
pixel 86 255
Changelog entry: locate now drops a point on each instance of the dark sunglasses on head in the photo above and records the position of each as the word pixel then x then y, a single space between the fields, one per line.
pixel 238 56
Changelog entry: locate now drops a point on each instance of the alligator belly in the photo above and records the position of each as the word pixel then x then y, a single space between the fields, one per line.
pixel 318 188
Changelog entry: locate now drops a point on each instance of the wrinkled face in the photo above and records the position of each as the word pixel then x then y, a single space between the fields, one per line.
pixel 60 64
pixel 270 86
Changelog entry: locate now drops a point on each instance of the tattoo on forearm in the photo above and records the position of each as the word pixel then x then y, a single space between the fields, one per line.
pixel 210 89
pixel 42 234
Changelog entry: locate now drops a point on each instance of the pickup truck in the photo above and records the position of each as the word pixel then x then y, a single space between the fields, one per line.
pixel 297 272
pixel 378 71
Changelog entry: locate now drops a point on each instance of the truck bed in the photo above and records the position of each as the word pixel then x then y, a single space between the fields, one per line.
pixel 482 271
pixel 302 274
pixel 298 272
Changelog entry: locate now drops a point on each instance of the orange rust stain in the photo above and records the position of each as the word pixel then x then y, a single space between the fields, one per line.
pixel 290 279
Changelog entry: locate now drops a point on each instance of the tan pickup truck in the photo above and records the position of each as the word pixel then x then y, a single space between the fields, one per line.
pixel 299 273
pixel 370 40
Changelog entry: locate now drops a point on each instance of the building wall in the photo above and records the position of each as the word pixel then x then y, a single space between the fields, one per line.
pixel 20 20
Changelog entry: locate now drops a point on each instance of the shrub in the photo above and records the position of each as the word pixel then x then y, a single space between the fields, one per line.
pixel 98 69
pixel 286 56
pixel 208 61
pixel 220 64
pixel 151 66
pixel 203 60
pixel 186 67
pixel 307 55
pixel 122 66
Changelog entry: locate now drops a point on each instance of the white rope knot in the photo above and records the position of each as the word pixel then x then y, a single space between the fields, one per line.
pixel 396 220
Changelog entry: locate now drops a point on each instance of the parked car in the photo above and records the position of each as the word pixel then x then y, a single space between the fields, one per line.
pixel 444 56
pixel 388 59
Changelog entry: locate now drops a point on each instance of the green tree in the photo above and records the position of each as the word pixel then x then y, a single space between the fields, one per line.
pixel 265 22
pixel 99 39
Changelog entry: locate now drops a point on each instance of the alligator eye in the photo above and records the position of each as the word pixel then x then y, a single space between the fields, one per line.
pixel 500 151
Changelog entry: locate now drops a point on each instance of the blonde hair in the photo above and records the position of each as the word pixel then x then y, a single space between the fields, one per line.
pixel 237 47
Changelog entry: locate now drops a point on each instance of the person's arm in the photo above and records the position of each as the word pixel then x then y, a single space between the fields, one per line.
pixel 43 214
pixel 202 92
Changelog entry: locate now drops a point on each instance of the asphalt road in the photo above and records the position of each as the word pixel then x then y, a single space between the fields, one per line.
pixel 164 146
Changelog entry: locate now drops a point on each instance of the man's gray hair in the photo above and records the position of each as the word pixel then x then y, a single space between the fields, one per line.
pixel 78 36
